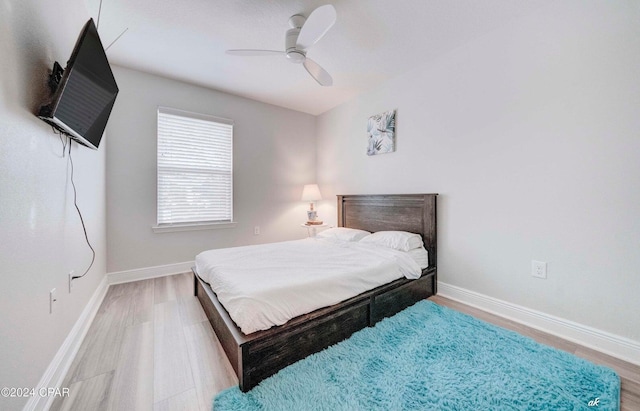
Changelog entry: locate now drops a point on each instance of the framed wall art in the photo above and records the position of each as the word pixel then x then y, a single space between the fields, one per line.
pixel 381 130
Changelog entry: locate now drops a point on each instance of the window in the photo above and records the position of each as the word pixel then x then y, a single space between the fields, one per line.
pixel 195 169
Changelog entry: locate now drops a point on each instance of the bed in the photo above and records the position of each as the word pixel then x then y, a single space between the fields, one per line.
pixel 260 354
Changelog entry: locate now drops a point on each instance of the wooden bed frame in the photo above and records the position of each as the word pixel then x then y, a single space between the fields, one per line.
pixel 259 355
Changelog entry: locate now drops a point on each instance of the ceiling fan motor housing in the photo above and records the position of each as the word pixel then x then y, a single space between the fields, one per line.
pixel 293 53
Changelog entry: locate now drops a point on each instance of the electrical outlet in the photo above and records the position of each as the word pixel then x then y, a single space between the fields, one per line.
pixel 256 230
pixel 539 269
pixel 52 299
pixel 71 274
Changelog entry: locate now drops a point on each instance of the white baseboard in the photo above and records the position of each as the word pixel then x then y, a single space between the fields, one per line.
pixel 145 273
pixel 57 370
pixel 611 344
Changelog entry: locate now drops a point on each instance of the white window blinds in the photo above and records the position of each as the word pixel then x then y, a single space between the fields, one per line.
pixel 195 168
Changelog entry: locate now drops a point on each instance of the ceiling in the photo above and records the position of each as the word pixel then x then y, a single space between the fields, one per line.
pixel 372 41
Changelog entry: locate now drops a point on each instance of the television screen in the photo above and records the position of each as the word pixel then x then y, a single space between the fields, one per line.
pixel 84 98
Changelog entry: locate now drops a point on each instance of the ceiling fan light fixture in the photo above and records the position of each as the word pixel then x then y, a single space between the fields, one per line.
pixel 296 56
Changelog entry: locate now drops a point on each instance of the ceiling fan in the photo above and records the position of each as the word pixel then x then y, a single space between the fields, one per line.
pixel 304 33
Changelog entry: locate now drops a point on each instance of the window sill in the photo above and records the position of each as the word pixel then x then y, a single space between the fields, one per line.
pixel 192 227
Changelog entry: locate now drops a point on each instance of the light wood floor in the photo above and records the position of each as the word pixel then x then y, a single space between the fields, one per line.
pixel 151 347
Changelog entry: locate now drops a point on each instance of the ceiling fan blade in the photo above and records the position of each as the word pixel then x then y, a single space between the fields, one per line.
pixel 250 52
pixel 319 22
pixel 318 73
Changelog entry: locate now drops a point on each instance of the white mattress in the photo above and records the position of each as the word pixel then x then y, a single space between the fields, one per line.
pixel 265 285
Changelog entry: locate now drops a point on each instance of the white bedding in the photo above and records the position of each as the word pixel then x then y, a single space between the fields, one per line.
pixel 269 284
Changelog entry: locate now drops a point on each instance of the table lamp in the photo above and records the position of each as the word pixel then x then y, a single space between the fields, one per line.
pixel 311 193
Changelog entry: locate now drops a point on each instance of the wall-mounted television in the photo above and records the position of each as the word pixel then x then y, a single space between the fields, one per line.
pixel 84 94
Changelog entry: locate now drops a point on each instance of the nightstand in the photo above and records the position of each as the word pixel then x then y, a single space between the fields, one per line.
pixel 312 229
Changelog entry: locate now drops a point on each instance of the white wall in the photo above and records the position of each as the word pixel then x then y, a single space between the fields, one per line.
pixel 531 136
pixel 274 156
pixel 41 237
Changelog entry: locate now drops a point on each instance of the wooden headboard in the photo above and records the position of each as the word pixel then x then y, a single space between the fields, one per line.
pixel 415 213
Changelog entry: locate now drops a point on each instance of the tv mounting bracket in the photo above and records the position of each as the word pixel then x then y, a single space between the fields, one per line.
pixel 55 76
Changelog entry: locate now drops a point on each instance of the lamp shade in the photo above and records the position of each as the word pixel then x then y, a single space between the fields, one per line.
pixel 311 192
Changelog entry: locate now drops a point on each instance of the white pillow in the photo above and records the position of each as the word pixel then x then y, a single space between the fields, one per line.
pixel 398 240
pixel 343 234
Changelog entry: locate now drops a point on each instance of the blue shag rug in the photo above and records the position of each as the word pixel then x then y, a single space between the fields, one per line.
pixel 429 357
